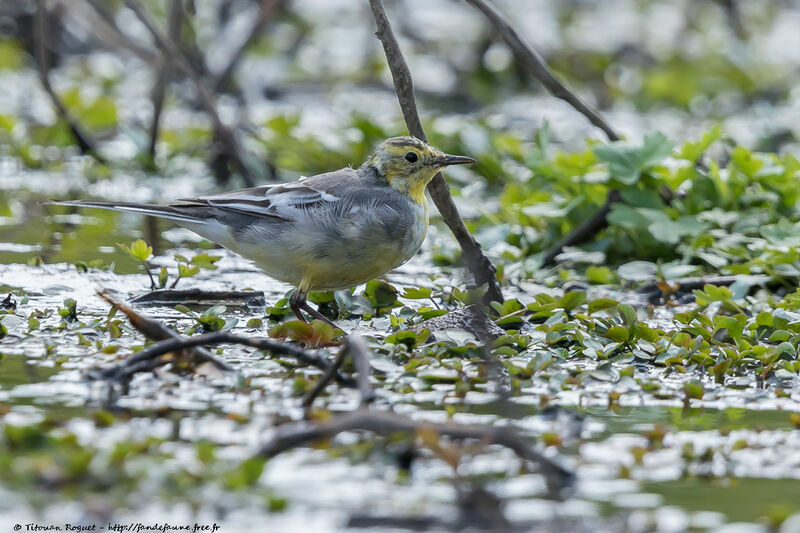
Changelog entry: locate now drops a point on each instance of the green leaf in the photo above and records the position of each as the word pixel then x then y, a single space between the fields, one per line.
pixel 694 389
pixel 601 304
pixel 380 294
pixel 691 151
pixel 140 250
pixel 206 261
pixel 186 271
pixel 626 162
pixel 573 299
pixel 417 293
pixel 617 333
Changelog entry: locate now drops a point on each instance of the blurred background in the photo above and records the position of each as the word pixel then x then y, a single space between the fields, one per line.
pixel 302 87
pixel 238 92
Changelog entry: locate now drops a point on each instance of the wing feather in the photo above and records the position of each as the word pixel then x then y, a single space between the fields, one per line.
pixel 285 201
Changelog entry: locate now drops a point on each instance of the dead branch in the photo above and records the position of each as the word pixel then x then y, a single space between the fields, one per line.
pixel 537 67
pixel 163 76
pixel 178 344
pixel 296 434
pixel 154 330
pixel 174 52
pixel 82 138
pixel 201 297
pixel 266 10
pixel 478 264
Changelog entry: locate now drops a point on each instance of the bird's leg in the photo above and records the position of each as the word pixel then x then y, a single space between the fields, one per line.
pixel 316 314
pixel 296 302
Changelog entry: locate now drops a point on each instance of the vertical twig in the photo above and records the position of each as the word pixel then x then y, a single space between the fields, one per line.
pixel 478 264
pixel 164 75
pixel 266 10
pixel 85 143
pixel 356 348
pixel 225 134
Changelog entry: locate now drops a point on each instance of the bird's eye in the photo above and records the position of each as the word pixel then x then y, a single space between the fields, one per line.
pixel 411 157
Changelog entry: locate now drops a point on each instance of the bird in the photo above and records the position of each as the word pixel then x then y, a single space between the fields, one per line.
pixel 330 231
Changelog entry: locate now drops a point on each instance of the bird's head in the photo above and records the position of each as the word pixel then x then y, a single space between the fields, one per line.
pixel 409 164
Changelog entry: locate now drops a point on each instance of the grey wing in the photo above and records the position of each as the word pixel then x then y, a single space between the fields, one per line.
pixel 286 201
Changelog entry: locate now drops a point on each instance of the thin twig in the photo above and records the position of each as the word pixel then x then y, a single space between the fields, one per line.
pixel 82 138
pixel 478 264
pixel 325 378
pixel 537 67
pixel 164 74
pixel 295 434
pixel 225 134
pixel 266 10
pixel 115 37
pixel 356 348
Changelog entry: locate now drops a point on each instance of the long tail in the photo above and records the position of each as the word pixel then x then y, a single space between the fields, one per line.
pixel 179 213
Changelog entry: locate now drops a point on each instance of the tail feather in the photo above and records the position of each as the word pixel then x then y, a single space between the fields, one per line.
pixel 178 213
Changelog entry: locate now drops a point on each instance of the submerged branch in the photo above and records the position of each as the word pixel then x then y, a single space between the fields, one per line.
pixel 478 264
pixel 385 423
pixel 177 344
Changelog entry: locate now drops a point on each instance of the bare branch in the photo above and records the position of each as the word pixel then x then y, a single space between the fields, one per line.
pixel 537 67
pixel 296 434
pixel 266 10
pixel 478 264
pixel 154 330
pixel 82 138
pixel 225 134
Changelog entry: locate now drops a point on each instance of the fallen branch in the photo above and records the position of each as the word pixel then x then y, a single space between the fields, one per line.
pixel 266 10
pixel 154 330
pixel 170 341
pixel 82 138
pixel 537 67
pixel 478 264
pixel 295 434
pixel 174 52
pixel 586 231
pixel 201 297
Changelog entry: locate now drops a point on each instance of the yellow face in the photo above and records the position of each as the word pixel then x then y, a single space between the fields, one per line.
pixel 409 164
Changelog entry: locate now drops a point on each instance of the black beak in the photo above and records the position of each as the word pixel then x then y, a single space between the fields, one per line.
pixel 447 160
